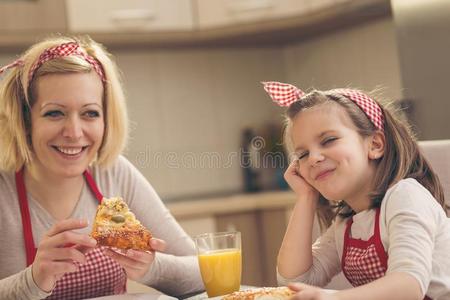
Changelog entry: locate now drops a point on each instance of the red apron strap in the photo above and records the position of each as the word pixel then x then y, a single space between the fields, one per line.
pixel 346 238
pixel 377 240
pixel 26 220
pixel 91 182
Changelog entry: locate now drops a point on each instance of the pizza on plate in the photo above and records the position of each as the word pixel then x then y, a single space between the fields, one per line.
pixel 116 226
pixel 266 293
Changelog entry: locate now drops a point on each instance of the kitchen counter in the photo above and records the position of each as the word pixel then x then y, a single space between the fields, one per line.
pixel 232 204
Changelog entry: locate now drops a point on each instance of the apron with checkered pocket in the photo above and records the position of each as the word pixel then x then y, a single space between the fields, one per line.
pixel 364 261
pixel 99 276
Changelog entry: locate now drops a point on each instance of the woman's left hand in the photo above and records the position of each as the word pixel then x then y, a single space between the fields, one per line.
pixel 308 292
pixel 136 263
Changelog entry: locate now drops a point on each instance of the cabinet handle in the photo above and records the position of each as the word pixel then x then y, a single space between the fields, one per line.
pixel 237 7
pixel 131 17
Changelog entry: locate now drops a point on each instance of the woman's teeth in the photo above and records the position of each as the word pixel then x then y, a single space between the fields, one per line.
pixel 70 151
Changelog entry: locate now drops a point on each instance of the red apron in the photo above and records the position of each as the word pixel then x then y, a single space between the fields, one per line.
pixel 99 276
pixel 364 261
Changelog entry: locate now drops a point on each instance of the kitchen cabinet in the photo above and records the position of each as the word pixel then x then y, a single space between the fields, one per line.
pixel 181 23
pixel 17 17
pixel 262 232
pixel 215 13
pixel 218 13
pixel 129 16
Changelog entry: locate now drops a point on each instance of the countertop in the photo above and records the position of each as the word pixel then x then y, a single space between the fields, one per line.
pixel 231 204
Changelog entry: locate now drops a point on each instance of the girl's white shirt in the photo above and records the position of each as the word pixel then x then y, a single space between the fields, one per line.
pixel 415 232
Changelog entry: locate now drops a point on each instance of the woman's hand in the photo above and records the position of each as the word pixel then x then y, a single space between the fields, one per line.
pixel 297 183
pixel 307 292
pixel 137 263
pixel 58 251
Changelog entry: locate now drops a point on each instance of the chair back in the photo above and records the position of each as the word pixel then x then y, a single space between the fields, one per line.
pixel 437 152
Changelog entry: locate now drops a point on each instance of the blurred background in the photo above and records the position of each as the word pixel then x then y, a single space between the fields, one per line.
pixel 204 132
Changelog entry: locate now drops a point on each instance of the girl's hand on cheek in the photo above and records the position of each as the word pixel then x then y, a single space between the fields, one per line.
pixel 307 292
pixel 297 183
pixel 136 263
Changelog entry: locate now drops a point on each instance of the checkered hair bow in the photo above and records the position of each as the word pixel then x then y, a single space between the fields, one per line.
pixel 63 50
pixel 285 94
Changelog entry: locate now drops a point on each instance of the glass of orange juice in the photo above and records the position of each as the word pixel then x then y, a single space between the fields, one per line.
pixel 220 260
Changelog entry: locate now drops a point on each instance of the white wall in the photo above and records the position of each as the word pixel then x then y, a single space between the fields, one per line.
pixel 363 56
pixel 194 104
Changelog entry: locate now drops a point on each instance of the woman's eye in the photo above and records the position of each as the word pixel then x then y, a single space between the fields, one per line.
pixel 53 113
pixel 92 114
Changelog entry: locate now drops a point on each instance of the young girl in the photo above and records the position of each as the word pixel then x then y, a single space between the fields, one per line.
pixel 357 166
pixel 63 125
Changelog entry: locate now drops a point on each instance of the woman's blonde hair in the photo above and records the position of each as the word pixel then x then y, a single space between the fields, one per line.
pixel 18 95
pixel 402 157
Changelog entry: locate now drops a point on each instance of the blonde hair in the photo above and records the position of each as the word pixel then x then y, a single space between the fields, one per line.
pixel 402 157
pixel 18 94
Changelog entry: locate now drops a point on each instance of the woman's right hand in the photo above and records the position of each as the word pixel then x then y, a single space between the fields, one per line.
pixel 58 251
pixel 297 183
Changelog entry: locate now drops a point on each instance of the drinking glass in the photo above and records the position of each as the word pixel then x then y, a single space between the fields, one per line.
pixel 220 260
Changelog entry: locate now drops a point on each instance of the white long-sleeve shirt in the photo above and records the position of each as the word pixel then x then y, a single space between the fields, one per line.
pixel 175 272
pixel 415 232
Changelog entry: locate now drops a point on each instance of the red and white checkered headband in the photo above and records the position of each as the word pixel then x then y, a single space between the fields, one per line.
pixel 285 94
pixel 63 50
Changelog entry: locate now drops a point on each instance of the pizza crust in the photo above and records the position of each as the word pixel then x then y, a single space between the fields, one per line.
pixel 116 226
pixel 267 293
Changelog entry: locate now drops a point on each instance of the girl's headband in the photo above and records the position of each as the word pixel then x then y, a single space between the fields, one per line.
pixel 63 50
pixel 285 94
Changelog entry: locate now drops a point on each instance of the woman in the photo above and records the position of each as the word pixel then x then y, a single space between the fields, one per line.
pixel 63 125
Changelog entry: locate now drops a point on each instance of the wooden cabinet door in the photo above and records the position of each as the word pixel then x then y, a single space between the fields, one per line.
pixel 273 227
pixel 32 16
pixel 217 13
pixel 252 247
pixel 100 16
pixel 262 232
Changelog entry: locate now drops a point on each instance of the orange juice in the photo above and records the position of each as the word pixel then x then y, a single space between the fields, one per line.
pixel 221 271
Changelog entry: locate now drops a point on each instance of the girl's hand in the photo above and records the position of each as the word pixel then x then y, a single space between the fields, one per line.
pixel 136 263
pixel 58 251
pixel 297 183
pixel 307 292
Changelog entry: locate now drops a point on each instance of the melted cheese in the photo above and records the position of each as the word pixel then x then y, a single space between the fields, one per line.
pixel 112 207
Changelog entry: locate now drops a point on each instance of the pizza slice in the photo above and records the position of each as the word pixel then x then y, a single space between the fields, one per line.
pixel 266 293
pixel 116 226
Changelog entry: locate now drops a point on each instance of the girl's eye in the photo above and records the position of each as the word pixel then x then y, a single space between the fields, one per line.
pixel 53 113
pixel 329 140
pixel 302 155
pixel 92 114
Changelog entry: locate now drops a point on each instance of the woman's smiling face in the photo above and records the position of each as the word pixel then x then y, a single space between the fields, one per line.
pixel 67 122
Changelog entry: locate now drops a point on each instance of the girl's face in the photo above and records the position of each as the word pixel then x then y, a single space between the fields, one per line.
pixel 333 156
pixel 67 123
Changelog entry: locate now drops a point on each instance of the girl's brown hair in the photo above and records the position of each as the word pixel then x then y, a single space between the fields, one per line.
pixel 402 157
